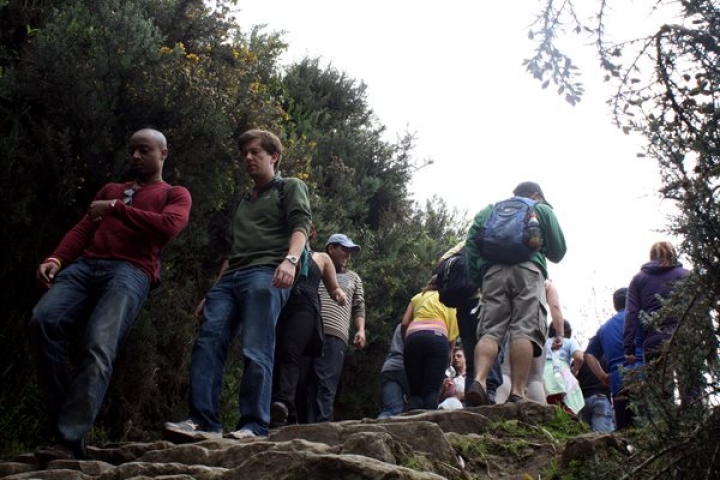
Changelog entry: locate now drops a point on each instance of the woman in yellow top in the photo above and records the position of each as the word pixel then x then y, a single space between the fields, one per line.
pixel 430 329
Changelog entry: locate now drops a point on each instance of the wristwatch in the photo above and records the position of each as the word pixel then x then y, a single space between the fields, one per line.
pixel 292 259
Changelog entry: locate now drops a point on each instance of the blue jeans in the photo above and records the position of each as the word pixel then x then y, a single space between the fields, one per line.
pixel 103 297
pixel 394 389
pixel 242 303
pixel 598 413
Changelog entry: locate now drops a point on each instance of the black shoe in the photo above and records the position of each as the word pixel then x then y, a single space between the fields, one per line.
pixel 59 451
pixel 476 396
pixel 515 399
pixel 278 414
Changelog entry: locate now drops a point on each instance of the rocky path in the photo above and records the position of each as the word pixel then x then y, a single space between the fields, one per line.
pixel 505 441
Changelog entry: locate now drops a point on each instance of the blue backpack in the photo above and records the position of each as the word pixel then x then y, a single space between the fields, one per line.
pixel 511 233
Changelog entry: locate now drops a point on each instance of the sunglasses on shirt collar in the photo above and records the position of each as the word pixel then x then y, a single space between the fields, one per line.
pixel 127 200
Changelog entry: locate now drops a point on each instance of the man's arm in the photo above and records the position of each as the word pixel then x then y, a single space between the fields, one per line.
pixel 358 311
pixel 201 305
pixel 359 340
pixel 285 272
pixel 597 369
pixel 329 277
pixel 554 246
pixel 166 224
pixel 75 241
pixel 558 322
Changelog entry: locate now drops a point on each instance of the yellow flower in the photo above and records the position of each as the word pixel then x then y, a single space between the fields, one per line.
pixel 192 57
pixel 165 50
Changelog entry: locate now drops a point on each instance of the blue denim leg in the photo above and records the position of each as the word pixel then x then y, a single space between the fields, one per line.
pixel 394 387
pixel 328 369
pixel 495 376
pixel 112 293
pixel 244 302
pixel 220 320
pixel 598 410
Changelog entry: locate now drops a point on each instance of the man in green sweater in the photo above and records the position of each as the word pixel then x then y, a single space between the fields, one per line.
pixel 269 232
pixel 513 298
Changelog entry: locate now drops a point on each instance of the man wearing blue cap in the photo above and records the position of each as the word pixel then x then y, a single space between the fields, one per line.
pixel 327 368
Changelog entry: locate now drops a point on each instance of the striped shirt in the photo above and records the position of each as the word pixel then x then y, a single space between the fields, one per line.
pixel 336 319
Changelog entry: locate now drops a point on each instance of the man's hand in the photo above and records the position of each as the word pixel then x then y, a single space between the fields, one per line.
pixel 630 359
pixel 98 208
pixel 605 379
pixel 557 343
pixel 359 340
pixel 339 296
pixel 448 388
pixel 46 273
pixel 284 275
pixel 199 310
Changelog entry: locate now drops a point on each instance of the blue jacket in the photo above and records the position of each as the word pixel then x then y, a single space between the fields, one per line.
pixel 608 342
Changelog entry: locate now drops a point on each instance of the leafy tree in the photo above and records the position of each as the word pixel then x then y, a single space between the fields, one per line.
pixel 78 77
pixel 360 182
pixel 668 84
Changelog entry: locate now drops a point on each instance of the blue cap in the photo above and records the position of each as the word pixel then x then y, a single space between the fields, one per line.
pixel 341 239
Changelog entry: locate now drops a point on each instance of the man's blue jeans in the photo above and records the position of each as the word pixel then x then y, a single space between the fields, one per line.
pixel 598 412
pixel 394 392
pixel 103 297
pixel 242 303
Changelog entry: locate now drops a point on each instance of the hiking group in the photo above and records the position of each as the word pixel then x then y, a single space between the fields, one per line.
pixel 293 308
pixel 489 297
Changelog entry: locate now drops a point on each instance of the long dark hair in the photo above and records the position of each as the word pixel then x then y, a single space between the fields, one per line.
pixel 567 328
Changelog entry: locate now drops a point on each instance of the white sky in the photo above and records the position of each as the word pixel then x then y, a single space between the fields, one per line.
pixel 452 73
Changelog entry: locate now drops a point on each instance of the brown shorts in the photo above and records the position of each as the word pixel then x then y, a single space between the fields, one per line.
pixel 513 305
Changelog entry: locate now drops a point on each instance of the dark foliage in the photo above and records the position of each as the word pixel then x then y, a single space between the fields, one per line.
pixel 78 77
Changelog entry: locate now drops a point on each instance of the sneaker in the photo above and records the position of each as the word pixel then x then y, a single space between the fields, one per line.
pixel 242 434
pixel 48 453
pixel 187 430
pixel 476 396
pixel 278 414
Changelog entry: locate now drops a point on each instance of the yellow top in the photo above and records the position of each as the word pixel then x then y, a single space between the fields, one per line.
pixel 429 313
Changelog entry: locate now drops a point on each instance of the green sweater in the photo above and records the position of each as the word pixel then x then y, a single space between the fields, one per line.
pixel 261 228
pixel 553 242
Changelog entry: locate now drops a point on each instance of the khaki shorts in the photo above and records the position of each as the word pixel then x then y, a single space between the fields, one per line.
pixel 513 305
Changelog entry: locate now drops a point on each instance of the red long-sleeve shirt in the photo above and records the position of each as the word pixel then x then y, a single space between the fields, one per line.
pixel 135 233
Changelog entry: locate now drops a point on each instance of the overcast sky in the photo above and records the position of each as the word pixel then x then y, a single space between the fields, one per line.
pixel 451 72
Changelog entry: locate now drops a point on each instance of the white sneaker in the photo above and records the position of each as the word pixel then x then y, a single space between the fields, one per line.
pixel 241 434
pixel 188 430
